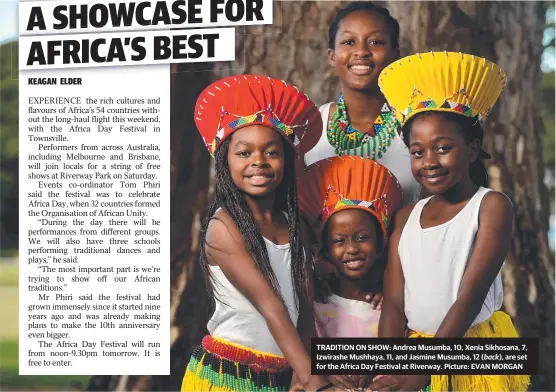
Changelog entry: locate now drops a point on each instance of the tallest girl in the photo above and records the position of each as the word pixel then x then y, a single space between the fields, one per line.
pixel 362 41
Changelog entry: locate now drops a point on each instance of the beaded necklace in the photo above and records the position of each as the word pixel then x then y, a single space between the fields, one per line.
pixel 372 144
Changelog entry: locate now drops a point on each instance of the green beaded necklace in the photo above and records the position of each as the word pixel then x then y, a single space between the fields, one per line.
pixel 372 144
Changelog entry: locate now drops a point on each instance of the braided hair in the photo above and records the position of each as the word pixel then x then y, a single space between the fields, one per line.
pixel 471 129
pixel 232 201
pixel 391 23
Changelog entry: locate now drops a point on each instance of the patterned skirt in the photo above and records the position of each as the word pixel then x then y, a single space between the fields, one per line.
pixel 498 326
pixel 219 365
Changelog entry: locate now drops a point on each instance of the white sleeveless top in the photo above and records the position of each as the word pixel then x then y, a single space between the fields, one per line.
pixel 236 320
pixel 396 158
pixel 433 262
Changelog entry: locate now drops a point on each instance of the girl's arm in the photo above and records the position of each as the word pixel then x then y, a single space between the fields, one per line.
pixel 491 246
pixel 392 318
pixel 225 247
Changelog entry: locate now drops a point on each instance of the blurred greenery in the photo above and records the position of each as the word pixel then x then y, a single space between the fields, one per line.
pixel 10 314
pixel 9 252
pixel 9 275
pixel 9 348
pixel 11 380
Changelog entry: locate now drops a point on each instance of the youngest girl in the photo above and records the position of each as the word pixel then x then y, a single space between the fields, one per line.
pixel 353 199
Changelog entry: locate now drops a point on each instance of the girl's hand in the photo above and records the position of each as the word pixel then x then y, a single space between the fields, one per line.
pixel 398 383
pixel 296 387
pixel 296 384
pixel 375 299
pixel 361 381
pixel 323 291
pixel 318 382
pixel 344 382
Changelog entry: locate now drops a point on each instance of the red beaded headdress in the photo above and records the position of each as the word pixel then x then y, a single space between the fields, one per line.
pixel 341 183
pixel 238 101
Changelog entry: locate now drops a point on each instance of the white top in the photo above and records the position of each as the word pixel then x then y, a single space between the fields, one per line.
pixel 346 318
pixel 433 262
pixel 396 158
pixel 236 320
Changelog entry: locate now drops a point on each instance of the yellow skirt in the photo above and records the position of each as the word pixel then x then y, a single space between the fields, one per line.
pixel 498 326
pixel 221 366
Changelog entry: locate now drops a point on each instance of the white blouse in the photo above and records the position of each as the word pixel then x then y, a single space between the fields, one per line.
pixel 433 263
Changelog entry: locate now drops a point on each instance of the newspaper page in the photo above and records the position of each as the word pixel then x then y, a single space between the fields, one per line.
pixel 94 131
pixel 105 181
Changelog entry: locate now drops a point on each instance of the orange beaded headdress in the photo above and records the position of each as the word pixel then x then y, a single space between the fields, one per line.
pixel 242 100
pixel 341 183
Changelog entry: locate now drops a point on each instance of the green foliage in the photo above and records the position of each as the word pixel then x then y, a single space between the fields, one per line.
pixel 11 380
pixel 9 274
pixel 9 311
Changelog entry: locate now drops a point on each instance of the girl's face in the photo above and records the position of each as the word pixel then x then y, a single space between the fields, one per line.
pixel 352 242
pixel 256 160
pixel 440 156
pixel 362 50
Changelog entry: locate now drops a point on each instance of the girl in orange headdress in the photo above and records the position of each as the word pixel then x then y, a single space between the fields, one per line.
pixel 251 253
pixel 354 200
pixel 362 41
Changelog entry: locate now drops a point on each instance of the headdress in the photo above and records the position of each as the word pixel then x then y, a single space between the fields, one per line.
pixel 442 81
pixel 341 183
pixel 242 100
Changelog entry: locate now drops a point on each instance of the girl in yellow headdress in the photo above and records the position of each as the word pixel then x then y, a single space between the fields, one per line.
pixel 446 251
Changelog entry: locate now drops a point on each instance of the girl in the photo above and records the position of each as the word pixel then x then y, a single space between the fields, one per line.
pixel 250 249
pixel 354 200
pixel 362 41
pixel 446 251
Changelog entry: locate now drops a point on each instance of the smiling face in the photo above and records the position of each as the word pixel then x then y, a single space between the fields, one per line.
pixel 440 156
pixel 362 49
pixel 352 242
pixel 256 160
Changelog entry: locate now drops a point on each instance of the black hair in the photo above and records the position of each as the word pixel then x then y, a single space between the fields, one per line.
pixel 232 201
pixel 391 23
pixel 376 273
pixel 378 229
pixel 470 128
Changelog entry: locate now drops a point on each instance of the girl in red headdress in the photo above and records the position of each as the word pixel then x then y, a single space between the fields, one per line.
pixel 251 253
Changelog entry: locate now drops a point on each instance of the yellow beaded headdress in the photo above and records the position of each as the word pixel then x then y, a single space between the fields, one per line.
pixel 442 81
